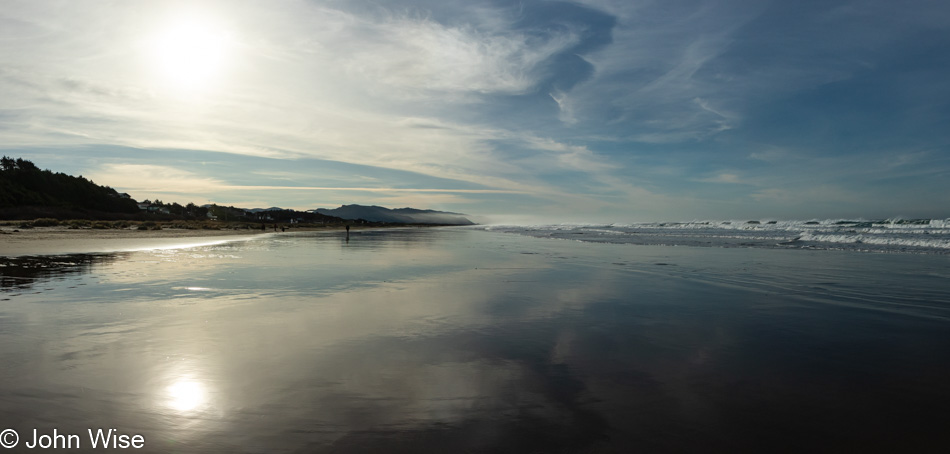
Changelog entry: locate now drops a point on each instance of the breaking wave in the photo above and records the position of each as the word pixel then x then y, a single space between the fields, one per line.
pixel 929 236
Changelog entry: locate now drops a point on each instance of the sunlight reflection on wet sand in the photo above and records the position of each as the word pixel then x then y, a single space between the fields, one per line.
pixel 451 340
pixel 185 395
pixel 62 241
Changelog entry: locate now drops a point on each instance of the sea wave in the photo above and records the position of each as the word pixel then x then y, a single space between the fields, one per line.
pixel 883 235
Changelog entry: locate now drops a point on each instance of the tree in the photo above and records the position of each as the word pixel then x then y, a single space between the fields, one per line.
pixel 7 164
pixel 27 166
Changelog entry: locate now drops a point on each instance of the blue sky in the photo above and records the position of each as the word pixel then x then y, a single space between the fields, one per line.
pixel 527 111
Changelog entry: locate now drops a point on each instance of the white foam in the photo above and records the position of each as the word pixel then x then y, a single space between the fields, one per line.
pixel 890 235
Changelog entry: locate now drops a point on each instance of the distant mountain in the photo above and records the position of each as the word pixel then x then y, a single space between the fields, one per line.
pixel 399 215
pixel 258 210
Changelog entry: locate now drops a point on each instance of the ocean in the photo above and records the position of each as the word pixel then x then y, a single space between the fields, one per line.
pixel 922 236
pixel 817 336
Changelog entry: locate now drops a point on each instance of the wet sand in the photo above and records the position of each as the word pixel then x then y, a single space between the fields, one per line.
pixel 454 340
pixel 58 240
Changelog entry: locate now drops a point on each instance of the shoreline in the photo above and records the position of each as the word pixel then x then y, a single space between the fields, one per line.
pixel 60 241
pixel 38 241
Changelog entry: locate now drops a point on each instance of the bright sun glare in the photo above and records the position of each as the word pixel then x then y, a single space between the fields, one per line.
pixel 190 53
pixel 186 395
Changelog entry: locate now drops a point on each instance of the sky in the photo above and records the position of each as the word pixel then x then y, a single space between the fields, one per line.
pixel 509 111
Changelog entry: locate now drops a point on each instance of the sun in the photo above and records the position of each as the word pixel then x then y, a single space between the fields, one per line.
pixel 190 53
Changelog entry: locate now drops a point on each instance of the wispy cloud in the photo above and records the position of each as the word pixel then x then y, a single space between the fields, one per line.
pixel 423 57
pixel 165 179
pixel 565 106
pixel 147 178
pixel 729 178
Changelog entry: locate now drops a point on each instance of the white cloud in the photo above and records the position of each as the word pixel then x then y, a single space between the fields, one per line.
pixel 166 179
pixel 572 157
pixel 405 56
pixel 729 178
pixel 565 106
pixel 147 178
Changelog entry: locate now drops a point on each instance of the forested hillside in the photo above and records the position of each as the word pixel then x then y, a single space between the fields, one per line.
pixel 23 185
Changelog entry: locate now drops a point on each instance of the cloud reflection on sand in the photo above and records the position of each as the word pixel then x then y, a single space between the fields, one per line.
pixel 344 337
pixel 442 340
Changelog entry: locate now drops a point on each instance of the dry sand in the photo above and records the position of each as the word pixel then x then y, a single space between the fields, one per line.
pixel 59 240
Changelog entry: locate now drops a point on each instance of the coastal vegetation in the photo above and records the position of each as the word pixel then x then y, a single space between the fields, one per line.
pixel 26 190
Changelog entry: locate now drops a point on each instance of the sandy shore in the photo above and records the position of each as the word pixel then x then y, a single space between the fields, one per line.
pixel 58 240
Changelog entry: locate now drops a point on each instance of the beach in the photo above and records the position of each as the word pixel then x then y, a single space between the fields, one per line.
pixel 461 340
pixel 60 240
